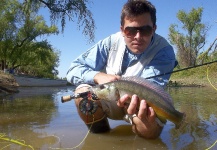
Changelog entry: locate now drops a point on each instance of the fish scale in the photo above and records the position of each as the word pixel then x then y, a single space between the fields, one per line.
pixel 155 96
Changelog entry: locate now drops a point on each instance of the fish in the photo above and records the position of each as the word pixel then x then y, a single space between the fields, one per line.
pixel 155 96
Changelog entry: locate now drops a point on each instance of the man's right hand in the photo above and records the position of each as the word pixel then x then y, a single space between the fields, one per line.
pixel 101 78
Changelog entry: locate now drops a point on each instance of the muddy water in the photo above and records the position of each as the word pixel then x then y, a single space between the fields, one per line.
pixel 36 119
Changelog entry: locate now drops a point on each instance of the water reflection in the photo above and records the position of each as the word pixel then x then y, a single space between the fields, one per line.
pixel 26 116
pixel 36 116
pixel 200 130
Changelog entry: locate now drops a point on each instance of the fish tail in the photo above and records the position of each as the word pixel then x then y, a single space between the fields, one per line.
pixel 182 122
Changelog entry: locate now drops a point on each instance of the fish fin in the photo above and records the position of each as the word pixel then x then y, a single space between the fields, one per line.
pixel 162 119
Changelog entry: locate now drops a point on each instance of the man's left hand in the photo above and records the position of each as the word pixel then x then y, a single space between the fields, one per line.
pixel 144 123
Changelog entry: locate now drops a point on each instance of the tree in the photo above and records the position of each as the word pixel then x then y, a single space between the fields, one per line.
pixel 20 27
pixel 63 9
pixel 19 47
pixel 40 61
pixel 190 42
pixel 205 57
pixel 7 27
pixel 213 54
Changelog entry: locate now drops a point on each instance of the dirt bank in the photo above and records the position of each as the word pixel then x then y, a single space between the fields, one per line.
pixel 7 83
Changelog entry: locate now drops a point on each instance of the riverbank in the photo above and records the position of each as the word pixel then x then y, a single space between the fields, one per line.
pixel 197 77
pixel 189 82
pixel 7 79
pixel 193 78
pixel 7 83
pixel 10 83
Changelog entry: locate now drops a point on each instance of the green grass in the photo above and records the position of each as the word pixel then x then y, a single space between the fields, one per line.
pixel 196 76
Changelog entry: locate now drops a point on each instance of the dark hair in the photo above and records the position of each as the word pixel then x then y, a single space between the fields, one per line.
pixel 138 7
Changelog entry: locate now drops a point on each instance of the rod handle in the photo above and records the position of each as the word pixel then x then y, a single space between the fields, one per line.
pixel 66 98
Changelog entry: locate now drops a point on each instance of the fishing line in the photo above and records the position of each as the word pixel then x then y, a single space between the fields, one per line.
pixel 83 138
pixel 211 145
pixel 209 80
pixel 2 137
pixel 215 89
pixel 86 134
pixel 5 147
pixel 21 143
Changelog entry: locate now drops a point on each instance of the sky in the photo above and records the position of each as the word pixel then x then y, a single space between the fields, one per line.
pixel 106 14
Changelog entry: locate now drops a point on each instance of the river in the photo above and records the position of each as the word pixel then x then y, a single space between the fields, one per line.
pixel 36 119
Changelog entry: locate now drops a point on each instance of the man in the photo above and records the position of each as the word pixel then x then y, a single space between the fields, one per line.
pixel 135 51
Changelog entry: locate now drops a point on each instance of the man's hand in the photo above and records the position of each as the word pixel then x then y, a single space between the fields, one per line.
pixel 144 124
pixel 101 78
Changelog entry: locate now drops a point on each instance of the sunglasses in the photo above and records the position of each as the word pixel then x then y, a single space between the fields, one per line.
pixel 144 31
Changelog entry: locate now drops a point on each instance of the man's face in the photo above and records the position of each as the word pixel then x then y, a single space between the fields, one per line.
pixel 138 32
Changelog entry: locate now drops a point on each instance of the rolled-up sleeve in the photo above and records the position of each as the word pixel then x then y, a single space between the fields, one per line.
pixel 86 66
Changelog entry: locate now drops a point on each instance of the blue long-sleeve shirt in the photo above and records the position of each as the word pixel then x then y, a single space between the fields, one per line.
pixel 86 66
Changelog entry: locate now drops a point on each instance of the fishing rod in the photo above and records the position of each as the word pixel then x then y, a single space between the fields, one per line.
pixel 181 70
pixel 79 95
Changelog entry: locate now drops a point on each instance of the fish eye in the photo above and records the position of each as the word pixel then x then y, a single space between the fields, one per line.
pixel 101 86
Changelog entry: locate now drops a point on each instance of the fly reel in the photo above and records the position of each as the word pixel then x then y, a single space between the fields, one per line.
pixel 87 106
